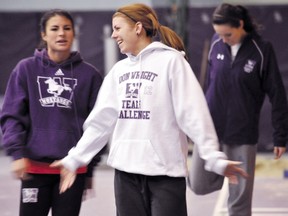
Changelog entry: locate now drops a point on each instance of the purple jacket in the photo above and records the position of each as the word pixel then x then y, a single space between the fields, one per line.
pixel 45 105
pixel 236 90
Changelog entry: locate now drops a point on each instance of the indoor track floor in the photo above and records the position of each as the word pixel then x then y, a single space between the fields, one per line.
pixel 270 193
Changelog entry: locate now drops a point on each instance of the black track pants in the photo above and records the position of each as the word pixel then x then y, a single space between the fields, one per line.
pixel 40 193
pixel 149 195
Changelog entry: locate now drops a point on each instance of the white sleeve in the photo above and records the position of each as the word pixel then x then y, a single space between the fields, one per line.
pixel 97 128
pixel 193 115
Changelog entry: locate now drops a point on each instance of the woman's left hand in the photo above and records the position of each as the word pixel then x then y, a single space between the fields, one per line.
pixel 279 151
pixel 233 171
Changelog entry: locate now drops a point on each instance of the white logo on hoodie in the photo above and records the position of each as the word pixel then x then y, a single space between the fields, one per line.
pixel 59 87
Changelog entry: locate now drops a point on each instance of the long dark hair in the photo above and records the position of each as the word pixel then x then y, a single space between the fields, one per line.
pixel 48 15
pixel 227 14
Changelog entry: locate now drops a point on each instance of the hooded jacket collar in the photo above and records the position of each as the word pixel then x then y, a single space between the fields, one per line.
pixel 42 55
pixel 151 47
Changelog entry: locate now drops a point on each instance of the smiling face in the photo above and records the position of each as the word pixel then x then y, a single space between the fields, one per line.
pixel 126 35
pixel 58 35
pixel 230 35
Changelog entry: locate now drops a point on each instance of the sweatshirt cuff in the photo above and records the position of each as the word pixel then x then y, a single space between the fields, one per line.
pixel 70 163
pixel 217 163
pixel 220 166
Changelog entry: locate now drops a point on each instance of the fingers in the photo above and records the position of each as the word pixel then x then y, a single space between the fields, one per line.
pixel 278 152
pixel 234 163
pixel 65 185
pixel 21 175
pixel 241 172
pixel 25 177
pixel 19 168
pixel 233 171
pixel 56 164
pixel 67 179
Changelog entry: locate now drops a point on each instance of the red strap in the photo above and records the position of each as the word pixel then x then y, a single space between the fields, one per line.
pixel 44 168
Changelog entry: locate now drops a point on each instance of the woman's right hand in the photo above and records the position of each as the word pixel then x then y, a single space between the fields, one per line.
pixel 19 168
pixel 67 177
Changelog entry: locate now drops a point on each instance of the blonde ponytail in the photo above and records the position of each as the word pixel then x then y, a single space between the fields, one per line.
pixel 147 16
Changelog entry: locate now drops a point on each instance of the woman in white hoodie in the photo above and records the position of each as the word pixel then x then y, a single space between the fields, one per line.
pixel 151 101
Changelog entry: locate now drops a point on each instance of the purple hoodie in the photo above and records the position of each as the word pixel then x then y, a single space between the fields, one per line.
pixel 45 105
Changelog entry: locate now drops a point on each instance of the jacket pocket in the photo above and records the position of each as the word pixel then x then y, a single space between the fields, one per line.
pixel 48 143
pixel 135 156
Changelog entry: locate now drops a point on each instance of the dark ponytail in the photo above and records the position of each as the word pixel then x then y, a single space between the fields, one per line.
pixel 227 14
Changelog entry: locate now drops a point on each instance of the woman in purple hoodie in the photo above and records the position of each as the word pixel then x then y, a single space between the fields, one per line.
pixel 47 99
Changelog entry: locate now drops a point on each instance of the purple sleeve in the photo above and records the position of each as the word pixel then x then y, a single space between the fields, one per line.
pixel 15 116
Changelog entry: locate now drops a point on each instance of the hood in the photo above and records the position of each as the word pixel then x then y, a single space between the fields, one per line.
pixel 42 55
pixel 151 47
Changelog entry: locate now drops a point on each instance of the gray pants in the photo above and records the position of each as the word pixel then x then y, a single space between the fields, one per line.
pixel 240 195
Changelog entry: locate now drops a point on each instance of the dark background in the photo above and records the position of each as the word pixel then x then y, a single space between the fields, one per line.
pixel 19 36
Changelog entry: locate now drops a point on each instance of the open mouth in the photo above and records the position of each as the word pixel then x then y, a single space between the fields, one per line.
pixel 61 42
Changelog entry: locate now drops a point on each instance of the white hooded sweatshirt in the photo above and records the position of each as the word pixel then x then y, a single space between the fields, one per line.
pixel 150 102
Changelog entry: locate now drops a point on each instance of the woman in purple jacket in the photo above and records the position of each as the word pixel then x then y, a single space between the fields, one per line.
pixel 47 99
pixel 242 70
